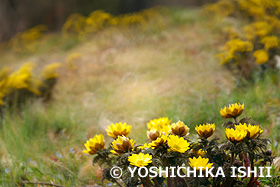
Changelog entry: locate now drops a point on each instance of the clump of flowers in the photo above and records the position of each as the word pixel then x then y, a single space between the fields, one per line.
pixel 79 27
pixel 50 71
pixel 27 41
pixel 270 42
pixel 253 44
pixel 22 84
pixel 261 56
pixel 244 146
pixel 99 20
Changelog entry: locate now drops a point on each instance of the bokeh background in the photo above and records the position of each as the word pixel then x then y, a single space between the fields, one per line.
pixel 70 68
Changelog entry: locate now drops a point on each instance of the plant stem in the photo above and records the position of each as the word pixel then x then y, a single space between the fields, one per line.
pixel 118 183
pixel 235 119
pixel 232 158
pixel 147 182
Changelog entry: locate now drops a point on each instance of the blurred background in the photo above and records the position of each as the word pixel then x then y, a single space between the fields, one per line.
pixel 18 15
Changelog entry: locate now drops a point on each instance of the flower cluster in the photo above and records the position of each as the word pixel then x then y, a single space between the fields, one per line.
pixel 169 146
pixel 99 20
pixel 78 26
pixel 257 42
pixel 17 86
pixel 27 41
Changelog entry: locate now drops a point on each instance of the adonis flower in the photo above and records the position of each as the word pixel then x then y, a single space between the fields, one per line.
pixel 153 134
pixel 241 126
pixel 235 135
pixel 118 129
pixel 180 129
pixel 200 162
pixel 94 144
pixel 140 160
pixel 261 56
pixel 178 144
pixel 252 130
pixel 50 71
pixel 160 124
pixel 122 145
pixel 159 141
pixel 270 42
pixel 205 130
pixel 145 146
pixel 232 111
pixel 199 152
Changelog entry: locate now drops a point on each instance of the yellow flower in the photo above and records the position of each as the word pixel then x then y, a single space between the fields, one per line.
pixel 261 56
pixel 159 141
pixel 241 126
pixel 94 144
pixel 72 59
pixel 232 111
pixel 145 146
pixel 122 145
pixel 238 45
pixel 21 78
pixel 199 152
pixel 257 29
pixel 270 42
pixel 178 144
pixel 153 134
pixel 235 135
pixel 200 162
pixel 252 130
pixel 140 160
pixel 160 124
pixel 180 129
pixel 118 129
pixel 205 130
pixel 50 71
pixel 226 57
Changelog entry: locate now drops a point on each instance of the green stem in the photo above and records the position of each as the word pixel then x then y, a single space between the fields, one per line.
pixel 235 119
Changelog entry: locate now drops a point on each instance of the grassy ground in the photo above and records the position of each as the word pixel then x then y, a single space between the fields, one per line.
pixel 131 76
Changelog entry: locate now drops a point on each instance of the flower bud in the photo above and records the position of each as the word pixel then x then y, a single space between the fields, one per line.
pixel 180 129
pixel 153 134
pixel 122 145
pixel 205 130
pixel 268 152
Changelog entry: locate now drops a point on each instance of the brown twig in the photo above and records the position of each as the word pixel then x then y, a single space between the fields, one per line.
pixel 118 183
